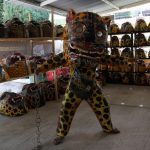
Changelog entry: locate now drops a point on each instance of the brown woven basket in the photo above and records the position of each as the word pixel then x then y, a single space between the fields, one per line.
pixel 2 31
pixel 19 69
pixel 15 28
pixel 46 28
pixel 33 29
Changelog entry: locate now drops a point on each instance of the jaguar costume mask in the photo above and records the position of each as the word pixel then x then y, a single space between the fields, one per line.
pixel 87 34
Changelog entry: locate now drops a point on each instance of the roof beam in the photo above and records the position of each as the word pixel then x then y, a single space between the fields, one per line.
pixel 136 4
pixel 89 6
pixel 47 2
pixel 123 8
pixel 110 4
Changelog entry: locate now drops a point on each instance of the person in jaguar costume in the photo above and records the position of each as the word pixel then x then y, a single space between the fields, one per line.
pixel 86 41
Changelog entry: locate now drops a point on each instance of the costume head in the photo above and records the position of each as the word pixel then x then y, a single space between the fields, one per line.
pixel 87 32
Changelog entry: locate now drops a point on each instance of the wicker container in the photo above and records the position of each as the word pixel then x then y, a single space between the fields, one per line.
pixel 2 31
pixel 141 25
pixel 59 31
pixel 127 52
pixel 140 40
pixel 19 69
pixel 149 26
pixel 115 51
pixel 114 41
pixel 33 29
pixel 148 41
pixel 139 53
pixel 126 40
pixel 141 79
pixel 127 27
pixel 148 80
pixel 126 68
pixel 15 28
pixel 148 68
pixel 142 68
pixel 115 67
pixel 114 28
pixel 46 28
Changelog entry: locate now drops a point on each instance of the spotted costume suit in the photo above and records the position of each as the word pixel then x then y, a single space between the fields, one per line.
pixel 87 35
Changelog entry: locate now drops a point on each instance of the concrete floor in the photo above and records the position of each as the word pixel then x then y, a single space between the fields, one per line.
pixel 19 133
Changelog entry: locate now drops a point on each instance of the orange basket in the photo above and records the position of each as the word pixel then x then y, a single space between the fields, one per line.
pixel 19 69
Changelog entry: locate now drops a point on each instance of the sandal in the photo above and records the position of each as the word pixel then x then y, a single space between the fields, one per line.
pixel 58 140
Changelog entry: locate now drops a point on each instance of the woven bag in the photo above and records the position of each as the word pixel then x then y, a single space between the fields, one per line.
pixel 140 40
pixel 2 31
pixel 114 28
pixel 47 29
pixel 139 53
pixel 15 66
pixel 127 27
pixel 126 40
pixel 114 41
pixel 141 25
pixel 15 28
pixel 127 52
pixel 33 29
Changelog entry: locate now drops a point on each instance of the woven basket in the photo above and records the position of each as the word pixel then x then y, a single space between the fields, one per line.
pixel 140 79
pixel 114 28
pixel 127 27
pixel 46 28
pixel 141 25
pixel 33 29
pixel 15 28
pixel 2 31
pixel 19 69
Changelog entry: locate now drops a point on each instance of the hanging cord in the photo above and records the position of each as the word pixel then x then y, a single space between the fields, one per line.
pixel 38 122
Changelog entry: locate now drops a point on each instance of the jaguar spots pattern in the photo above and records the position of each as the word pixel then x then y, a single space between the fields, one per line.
pixel 87 34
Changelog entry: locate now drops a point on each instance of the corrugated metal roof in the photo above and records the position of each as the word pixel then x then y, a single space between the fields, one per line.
pixel 99 6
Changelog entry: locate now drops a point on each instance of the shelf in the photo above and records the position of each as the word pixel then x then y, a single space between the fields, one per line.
pixel 129 32
pixel 141 46
pixel 141 32
pixel 120 47
pixel 128 46
pixel 120 33
pixel 142 58
pixel 133 60
pixel 28 39
pixel 124 72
